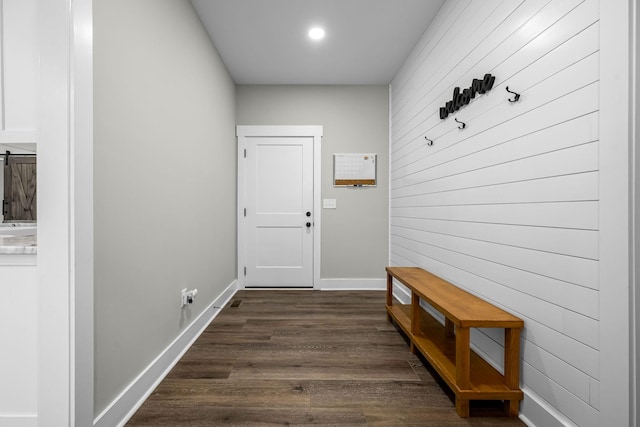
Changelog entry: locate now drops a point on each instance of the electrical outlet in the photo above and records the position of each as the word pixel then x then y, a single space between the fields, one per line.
pixel 187 296
pixel 183 297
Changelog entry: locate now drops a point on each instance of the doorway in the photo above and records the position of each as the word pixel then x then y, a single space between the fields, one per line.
pixel 279 206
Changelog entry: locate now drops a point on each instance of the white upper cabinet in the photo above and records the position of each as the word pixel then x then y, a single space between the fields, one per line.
pixel 18 70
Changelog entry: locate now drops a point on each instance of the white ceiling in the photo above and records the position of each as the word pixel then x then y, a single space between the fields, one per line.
pixel 266 42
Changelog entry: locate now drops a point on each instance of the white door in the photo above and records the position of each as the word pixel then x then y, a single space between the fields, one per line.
pixel 278 216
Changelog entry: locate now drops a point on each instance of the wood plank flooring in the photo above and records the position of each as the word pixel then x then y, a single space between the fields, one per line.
pixel 302 357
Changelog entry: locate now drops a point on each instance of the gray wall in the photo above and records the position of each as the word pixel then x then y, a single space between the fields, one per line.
pixel 355 120
pixel 165 170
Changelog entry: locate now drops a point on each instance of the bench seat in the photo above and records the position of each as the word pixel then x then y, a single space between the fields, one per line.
pixel 447 347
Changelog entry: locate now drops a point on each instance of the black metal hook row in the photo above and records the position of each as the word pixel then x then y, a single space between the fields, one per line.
pixel 516 95
pixel 429 141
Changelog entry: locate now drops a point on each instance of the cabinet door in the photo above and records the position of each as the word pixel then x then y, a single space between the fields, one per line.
pixel 20 189
pixel 18 70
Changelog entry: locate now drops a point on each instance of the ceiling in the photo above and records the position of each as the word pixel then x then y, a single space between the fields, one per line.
pixel 266 42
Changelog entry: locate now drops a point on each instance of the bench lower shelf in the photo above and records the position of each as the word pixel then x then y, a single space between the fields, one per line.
pixel 486 383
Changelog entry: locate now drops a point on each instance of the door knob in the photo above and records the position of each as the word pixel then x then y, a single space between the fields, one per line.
pixel 308 213
pixel 308 224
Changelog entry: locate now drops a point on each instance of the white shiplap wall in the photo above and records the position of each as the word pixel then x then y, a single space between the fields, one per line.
pixel 507 208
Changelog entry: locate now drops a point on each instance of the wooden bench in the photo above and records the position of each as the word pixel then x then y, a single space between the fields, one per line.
pixel 446 347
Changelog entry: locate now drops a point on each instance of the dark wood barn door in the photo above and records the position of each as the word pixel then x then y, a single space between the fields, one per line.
pixel 19 202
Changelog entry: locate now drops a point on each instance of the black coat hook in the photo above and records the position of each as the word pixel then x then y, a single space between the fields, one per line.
pixel 463 124
pixel 429 141
pixel 516 97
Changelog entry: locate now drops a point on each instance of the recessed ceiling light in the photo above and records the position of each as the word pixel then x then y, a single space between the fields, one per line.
pixel 316 33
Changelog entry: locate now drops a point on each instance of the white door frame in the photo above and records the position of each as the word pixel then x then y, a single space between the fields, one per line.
pixel 613 392
pixel 65 222
pixel 278 131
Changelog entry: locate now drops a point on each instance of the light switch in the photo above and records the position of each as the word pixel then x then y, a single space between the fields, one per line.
pixel 329 203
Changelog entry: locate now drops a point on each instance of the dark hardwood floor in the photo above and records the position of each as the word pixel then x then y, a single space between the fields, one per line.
pixel 302 357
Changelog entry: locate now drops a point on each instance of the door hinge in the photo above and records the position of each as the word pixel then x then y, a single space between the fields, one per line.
pixel 245 271
pixel 245 153
pixel 245 212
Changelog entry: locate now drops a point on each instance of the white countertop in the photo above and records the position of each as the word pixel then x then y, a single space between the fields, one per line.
pixel 19 245
pixel 18 239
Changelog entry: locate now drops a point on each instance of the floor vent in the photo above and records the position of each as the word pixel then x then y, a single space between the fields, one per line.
pixel 236 303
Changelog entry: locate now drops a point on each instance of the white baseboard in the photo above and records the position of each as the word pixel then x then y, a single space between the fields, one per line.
pixel 352 284
pixel 535 411
pixel 127 403
pixel 21 420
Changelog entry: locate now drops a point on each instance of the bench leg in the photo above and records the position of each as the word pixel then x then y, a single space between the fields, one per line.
pixel 463 358
pixel 512 358
pixel 389 289
pixel 415 314
pixel 389 294
pixel 512 367
pixel 448 328
pixel 512 408
pixel 462 407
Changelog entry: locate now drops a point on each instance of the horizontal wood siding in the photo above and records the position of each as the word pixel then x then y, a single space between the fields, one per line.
pixel 507 208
